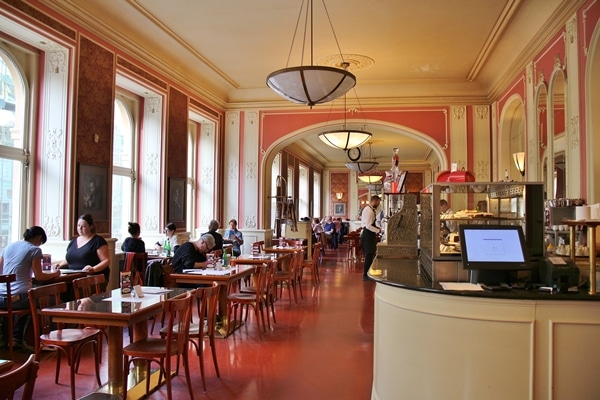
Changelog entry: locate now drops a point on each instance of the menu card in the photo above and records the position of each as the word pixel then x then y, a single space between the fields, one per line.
pixel 126 282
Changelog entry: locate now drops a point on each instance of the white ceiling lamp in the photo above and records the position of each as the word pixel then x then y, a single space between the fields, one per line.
pixel 345 138
pixel 371 177
pixel 310 84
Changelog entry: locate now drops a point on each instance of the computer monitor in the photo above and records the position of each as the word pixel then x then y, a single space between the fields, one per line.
pixel 491 252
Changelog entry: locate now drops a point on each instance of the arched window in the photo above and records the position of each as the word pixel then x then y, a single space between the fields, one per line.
pixel 14 151
pixel 124 171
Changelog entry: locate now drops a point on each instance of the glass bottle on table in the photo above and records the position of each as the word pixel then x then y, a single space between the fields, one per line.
pixel 167 247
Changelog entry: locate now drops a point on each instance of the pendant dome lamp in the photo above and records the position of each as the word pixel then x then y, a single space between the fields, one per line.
pixel 310 84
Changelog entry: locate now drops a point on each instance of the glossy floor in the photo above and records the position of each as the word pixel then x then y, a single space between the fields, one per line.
pixel 320 348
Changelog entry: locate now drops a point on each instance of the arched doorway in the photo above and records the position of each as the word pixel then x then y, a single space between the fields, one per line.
pixel 436 156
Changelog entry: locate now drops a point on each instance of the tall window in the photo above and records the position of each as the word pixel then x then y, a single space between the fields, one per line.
pixel 303 192
pixel 191 176
pixel 275 172
pixel 317 195
pixel 123 166
pixel 14 151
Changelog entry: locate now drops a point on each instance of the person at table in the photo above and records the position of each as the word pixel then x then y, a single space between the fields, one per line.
pixel 133 244
pixel 317 229
pixel 87 252
pixel 235 237
pixel 329 228
pixel 192 255
pixel 24 259
pixel 170 236
pixel 217 250
pixel 368 235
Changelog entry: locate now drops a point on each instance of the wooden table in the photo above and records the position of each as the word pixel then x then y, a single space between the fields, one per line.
pixel 115 312
pixel 283 251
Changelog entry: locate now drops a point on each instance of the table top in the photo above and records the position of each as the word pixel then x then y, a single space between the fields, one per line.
pixel 224 276
pixel 282 249
pixel 112 308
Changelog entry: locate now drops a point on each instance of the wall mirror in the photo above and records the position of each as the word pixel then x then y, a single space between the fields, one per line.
pixel 558 113
pixel 542 134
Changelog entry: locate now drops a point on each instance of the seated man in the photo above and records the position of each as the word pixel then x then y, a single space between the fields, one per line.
pixel 192 255
pixel 213 225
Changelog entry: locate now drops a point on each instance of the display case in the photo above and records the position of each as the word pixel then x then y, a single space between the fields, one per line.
pixel 504 203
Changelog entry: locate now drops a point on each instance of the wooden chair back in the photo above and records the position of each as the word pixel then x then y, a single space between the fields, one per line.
pixel 23 375
pixel 136 263
pixel 88 286
pixel 43 297
pixel 9 313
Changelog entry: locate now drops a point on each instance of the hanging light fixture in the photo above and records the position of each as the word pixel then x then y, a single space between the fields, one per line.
pixel 310 84
pixel 519 159
pixel 345 138
pixel 362 166
pixel 371 177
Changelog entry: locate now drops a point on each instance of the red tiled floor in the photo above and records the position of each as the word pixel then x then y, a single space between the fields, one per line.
pixel 320 348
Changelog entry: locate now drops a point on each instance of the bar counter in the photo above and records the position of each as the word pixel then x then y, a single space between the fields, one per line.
pixel 517 344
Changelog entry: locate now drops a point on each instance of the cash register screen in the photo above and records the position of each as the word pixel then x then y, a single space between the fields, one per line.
pixel 493 247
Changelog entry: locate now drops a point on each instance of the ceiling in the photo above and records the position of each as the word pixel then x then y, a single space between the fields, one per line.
pixel 402 52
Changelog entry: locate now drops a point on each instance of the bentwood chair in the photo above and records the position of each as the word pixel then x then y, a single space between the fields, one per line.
pixel 162 350
pixel 9 313
pixel 269 290
pixel 312 265
pixel 67 341
pixel 208 298
pixel 289 277
pixel 23 375
pixel 239 300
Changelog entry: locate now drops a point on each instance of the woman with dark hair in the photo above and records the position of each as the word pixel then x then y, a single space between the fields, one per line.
pixel 170 236
pixel 133 244
pixel 87 252
pixel 22 258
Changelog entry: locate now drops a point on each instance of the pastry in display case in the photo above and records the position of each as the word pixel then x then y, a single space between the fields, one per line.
pixel 497 203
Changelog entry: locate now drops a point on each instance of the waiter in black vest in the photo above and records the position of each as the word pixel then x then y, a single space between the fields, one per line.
pixel 368 237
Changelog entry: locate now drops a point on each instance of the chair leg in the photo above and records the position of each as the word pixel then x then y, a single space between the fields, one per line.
pixel 214 354
pixel 200 352
pixel 186 365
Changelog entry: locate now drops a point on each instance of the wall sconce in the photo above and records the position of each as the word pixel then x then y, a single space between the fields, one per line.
pixel 339 195
pixel 519 159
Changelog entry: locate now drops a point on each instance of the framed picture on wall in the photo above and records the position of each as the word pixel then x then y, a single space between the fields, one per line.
pixel 176 200
pixel 92 196
pixel 339 209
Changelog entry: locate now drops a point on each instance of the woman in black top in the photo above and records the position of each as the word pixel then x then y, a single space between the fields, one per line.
pixel 87 252
pixel 133 244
